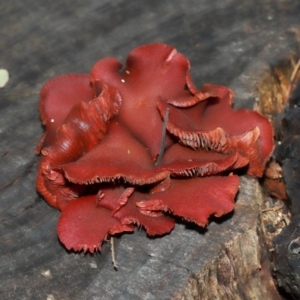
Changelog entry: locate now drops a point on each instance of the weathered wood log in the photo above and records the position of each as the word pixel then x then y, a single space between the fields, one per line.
pixel 228 42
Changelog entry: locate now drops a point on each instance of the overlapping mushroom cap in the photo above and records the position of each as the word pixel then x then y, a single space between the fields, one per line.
pixel 140 144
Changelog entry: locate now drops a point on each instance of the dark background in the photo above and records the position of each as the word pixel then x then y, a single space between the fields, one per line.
pixel 228 42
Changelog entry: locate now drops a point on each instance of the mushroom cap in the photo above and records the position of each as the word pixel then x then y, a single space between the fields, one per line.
pixel 140 144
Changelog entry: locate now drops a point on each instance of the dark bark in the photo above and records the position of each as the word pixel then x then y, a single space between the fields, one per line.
pixel 287 243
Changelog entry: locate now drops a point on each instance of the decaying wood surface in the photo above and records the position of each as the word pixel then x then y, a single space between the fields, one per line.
pixel 229 42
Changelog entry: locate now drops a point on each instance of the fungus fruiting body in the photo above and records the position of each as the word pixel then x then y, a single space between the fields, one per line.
pixel 138 145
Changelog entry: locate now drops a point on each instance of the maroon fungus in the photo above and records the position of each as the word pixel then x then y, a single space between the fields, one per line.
pixel 140 144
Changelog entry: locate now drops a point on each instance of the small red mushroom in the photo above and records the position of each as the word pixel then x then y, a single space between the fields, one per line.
pixel 135 146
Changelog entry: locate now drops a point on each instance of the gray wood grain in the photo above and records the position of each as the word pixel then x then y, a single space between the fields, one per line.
pixel 229 42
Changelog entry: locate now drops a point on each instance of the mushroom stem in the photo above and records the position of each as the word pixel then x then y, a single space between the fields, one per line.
pixel 113 256
pixel 163 139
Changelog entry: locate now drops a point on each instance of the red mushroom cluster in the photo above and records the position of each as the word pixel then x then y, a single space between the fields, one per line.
pixel 137 145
